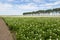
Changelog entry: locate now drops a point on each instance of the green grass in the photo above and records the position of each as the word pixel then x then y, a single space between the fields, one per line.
pixel 36 28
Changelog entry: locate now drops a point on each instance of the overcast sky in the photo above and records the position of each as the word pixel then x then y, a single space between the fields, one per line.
pixel 17 7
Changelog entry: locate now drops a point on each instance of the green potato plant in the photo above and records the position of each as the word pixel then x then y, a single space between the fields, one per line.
pixel 34 28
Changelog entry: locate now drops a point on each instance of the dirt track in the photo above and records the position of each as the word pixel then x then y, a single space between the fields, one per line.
pixel 4 32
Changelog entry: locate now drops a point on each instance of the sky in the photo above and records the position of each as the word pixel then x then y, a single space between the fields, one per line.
pixel 18 7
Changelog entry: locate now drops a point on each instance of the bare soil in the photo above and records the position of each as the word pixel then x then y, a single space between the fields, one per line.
pixel 4 31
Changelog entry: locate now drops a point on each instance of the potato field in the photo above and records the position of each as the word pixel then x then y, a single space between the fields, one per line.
pixel 34 28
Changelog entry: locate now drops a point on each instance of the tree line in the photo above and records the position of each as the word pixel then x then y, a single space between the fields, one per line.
pixel 44 11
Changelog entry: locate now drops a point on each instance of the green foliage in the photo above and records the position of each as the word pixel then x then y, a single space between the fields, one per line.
pixel 35 28
pixel 43 11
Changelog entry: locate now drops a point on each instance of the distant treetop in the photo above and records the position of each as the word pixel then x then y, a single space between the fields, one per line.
pixel 44 11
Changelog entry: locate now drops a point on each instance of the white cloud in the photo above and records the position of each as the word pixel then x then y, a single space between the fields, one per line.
pixel 50 5
pixel 4 7
pixel 54 0
pixel 8 9
pixel 19 9
pixel 30 6
pixel 27 7
pixel 10 0
pixel 37 0
pixel 55 3
pixel 27 0
pixel 33 6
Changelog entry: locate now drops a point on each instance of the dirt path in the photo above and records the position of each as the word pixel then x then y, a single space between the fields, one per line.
pixel 4 32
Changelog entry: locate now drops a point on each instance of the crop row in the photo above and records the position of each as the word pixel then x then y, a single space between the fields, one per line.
pixel 34 28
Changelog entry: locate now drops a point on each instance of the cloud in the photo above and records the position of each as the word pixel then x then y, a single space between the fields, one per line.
pixel 4 7
pixel 28 6
pixel 32 5
pixel 22 1
pixel 37 1
pixel 54 0
pixel 27 0
pixel 8 9
pixel 10 0
pixel 56 3
pixel 52 4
